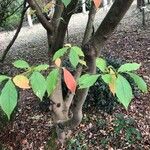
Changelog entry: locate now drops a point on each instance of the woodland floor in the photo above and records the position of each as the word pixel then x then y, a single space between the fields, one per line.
pixel 31 128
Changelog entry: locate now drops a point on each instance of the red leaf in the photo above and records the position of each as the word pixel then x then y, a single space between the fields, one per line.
pixel 69 80
pixel 97 3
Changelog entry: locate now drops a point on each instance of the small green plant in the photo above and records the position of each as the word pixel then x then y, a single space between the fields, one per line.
pixel 76 143
pixel 127 127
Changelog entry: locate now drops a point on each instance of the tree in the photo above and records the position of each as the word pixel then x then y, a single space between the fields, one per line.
pixel 91 48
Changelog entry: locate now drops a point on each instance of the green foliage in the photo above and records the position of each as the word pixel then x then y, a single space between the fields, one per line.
pixel 129 67
pixel 66 2
pixel 60 53
pixel 77 50
pixel 38 84
pixel 74 58
pixel 76 143
pixel 21 64
pixel 41 67
pixel 51 80
pixel 8 15
pixel 100 97
pixel 123 91
pixel 85 81
pixel 8 98
pixel 126 126
pixel 32 78
pixel 101 64
pixel 107 78
pixel 139 81
pixel 3 77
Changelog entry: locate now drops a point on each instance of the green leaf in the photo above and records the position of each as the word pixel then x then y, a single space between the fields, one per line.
pixel 41 67
pixel 129 67
pixel 107 78
pixel 3 77
pixel 8 98
pixel 78 50
pixel 51 81
pixel 60 53
pixel 74 58
pixel 66 2
pixel 123 91
pixel 87 80
pixel 21 64
pixel 139 81
pixel 101 64
pixel 38 84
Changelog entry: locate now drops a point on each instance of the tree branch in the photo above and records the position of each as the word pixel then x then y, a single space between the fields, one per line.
pixel 63 25
pixel 16 34
pixel 91 51
pixel 34 5
pixel 89 27
pixel 110 22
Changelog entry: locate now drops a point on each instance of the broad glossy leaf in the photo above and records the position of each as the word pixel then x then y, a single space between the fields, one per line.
pixel 41 67
pixel 78 50
pixel 21 64
pixel 101 64
pixel 3 77
pixel 107 78
pixel 51 81
pixel 60 53
pixel 129 67
pixel 85 81
pixel 123 91
pixel 58 62
pixel 69 80
pixel 139 81
pixel 8 98
pixel 97 3
pixel 38 84
pixel 21 81
pixel 66 2
pixel 74 58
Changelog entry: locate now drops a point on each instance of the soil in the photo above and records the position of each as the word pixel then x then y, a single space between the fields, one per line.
pixel 31 127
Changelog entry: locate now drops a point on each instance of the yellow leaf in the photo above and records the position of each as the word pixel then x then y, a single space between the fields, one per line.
pixel 112 85
pixel 58 62
pixel 48 6
pixel 67 45
pixel 21 81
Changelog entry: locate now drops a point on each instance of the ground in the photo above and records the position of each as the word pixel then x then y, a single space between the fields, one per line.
pixel 31 128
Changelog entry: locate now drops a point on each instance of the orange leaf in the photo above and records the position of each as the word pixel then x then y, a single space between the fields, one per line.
pixel 112 85
pixel 69 80
pixel 21 81
pixel 97 3
pixel 58 62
